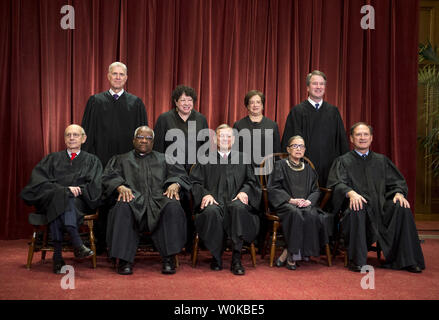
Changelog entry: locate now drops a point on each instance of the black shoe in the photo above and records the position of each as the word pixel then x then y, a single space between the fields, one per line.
pixel 414 269
pixel 124 268
pixel 237 268
pixel 168 266
pixel 355 268
pixel 216 265
pixel 57 265
pixel 279 263
pixel 291 265
pixel 82 252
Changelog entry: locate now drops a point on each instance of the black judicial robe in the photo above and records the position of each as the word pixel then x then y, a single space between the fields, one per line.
pixel 48 188
pixel 323 132
pixel 148 177
pixel 238 178
pixel 377 179
pixel 171 120
pixel 110 124
pixel 284 184
pixel 265 123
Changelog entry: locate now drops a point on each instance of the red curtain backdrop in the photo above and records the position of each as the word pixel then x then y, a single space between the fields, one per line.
pixel 222 48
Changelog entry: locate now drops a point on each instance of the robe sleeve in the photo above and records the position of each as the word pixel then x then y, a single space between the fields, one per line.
pixel 314 195
pixel 277 195
pixel 88 124
pixel 177 174
pixel 276 139
pixel 112 178
pixel 197 181
pixel 292 127
pixel 92 187
pixel 339 182
pixel 42 189
pixel 252 188
pixel 343 143
pixel 395 181
pixel 160 129
pixel 142 116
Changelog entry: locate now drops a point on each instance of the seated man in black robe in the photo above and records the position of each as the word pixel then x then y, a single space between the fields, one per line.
pixel 146 185
pixel 226 197
pixel 64 186
pixel 378 210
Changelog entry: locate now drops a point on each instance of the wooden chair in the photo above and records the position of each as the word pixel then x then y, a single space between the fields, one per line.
pixel 195 246
pixel 267 165
pixel 40 226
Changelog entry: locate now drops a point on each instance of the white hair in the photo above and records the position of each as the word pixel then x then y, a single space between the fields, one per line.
pixel 118 64
pixel 143 127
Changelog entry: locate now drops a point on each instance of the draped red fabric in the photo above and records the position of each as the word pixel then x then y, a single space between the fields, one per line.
pixel 222 48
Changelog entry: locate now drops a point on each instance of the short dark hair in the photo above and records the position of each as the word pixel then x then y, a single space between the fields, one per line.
pixel 359 124
pixel 178 92
pixel 252 93
pixel 314 73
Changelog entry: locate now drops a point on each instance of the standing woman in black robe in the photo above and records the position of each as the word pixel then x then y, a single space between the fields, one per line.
pixel 259 137
pixel 264 137
pixel 183 124
pixel 293 194
pixel 185 118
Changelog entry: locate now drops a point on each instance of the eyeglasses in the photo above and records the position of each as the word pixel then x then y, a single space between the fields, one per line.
pixel 142 137
pixel 297 146
pixel 74 135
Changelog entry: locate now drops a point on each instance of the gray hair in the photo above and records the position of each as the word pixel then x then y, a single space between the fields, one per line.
pixel 143 127
pixel 314 73
pixel 117 64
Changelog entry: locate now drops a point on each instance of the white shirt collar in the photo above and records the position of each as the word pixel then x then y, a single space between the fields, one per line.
pixel 361 154
pixel 70 153
pixel 222 153
pixel 314 103
pixel 119 93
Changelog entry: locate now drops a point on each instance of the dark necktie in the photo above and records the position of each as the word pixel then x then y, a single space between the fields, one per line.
pixel 73 155
pixel 364 156
pixel 115 96
pixel 317 106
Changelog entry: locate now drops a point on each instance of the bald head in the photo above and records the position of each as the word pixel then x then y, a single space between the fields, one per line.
pixel 74 137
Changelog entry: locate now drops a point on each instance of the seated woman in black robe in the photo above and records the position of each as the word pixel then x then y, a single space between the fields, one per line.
pixel 293 194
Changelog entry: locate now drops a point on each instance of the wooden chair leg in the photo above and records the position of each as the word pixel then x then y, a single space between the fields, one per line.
pixel 92 242
pixel 264 246
pixel 195 250
pixel 30 253
pixel 328 255
pixel 253 253
pixel 177 263
pixel 43 252
pixel 273 242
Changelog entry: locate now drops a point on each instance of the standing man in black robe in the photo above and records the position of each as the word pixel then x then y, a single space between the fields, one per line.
pixel 227 196
pixel 378 210
pixel 145 186
pixel 110 119
pixel 64 186
pixel 320 124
